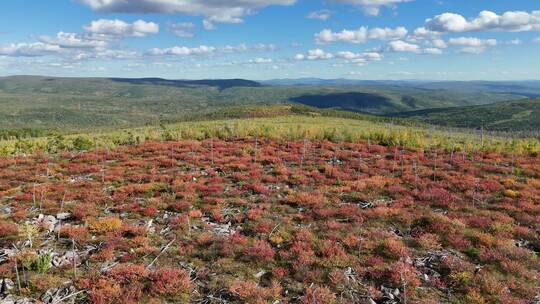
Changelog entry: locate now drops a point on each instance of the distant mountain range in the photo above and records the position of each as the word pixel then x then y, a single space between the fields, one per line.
pixel 531 88
pixel 504 116
pixel 80 103
pixel 220 83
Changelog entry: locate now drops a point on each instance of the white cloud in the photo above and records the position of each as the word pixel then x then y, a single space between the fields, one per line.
pixel 181 30
pixel 117 29
pixel 439 43
pixel 537 40
pixel 235 49
pixel 515 42
pixel 230 11
pixel 387 33
pixel 29 49
pixel 422 33
pixel 402 46
pixel 327 36
pixel 262 47
pixel 372 7
pixel 472 42
pixel 473 50
pixel 322 15
pixel 183 34
pixel 106 54
pixel 72 40
pixel 207 50
pixel 360 58
pixel 183 51
pixel 351 57
pixel 315 54
pixel 208 25
pixel 360 35
pixel 261 60
pixel 513 21
pixel 433 51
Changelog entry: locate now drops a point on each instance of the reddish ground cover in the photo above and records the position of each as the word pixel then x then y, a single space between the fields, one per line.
pixel 259 221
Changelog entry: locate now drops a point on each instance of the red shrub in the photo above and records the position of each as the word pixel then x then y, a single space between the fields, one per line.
pixel 261 251
pixel 318 295
pixel 170 282
pixel 83 211
pixel 78 234
pixel 394 248
pixel 8 231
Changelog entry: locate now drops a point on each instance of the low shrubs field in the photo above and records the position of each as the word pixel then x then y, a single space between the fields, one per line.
pixel 251 219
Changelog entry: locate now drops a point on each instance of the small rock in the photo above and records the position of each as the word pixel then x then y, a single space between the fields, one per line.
pixel 260 274
pixel 6 285
pixel 48 222
pixel 63 216
pixel 66 260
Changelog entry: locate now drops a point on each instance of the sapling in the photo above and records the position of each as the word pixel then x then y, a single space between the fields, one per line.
pixel 43 263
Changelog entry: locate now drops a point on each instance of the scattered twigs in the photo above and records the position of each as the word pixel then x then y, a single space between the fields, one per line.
pixel 68 296
pixel 160 253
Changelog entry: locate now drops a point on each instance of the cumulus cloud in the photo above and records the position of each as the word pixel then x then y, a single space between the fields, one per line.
pixel 360 58
pixel 262 47
pixel 116 29
pixel 230 11
pixel 29 49
pixel 515 42
pixel 472 42
pixel 439 43
pixel 183 51
pixel 470 45
pixel 106 54
pixel 181 30
pixel 433 51
pixel 315 54
pixel 72 40
pixel 422 33
pixel 320 15
pixel 476 50
pixel 512 21
pixel 537 40
pixel 387 33
pixel 360 35
pixel 208 25
pixel 327 36
pixel 241 48
pixel 402 46
pixel 208 50
pixel 372 7
pixel 351 57
pixel 261 60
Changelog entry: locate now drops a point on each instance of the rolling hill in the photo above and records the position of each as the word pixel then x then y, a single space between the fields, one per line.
pixel 505 116
pixel 85 103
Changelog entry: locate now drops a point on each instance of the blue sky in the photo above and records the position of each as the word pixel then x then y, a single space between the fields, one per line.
pixel 266 39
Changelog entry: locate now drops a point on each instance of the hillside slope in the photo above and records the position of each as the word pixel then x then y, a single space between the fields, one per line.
pixel 259 220
pixel 507 116
pixel 85 103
